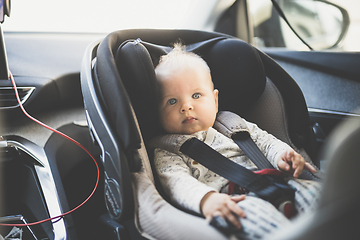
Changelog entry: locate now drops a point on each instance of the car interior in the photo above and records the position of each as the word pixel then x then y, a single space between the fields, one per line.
pixel 99 90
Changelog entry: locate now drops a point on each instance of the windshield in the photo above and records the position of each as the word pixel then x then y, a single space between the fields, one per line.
pixel 106 15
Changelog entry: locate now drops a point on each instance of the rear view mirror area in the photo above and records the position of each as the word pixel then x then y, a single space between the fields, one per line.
pixel 321 24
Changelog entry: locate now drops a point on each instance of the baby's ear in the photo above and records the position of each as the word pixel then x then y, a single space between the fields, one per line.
pixel 216 97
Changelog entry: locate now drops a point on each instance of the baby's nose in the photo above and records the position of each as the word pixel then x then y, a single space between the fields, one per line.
pixel 186 107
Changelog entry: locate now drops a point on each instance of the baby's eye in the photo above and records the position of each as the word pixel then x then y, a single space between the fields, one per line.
pixel 196 95
pixel 172 101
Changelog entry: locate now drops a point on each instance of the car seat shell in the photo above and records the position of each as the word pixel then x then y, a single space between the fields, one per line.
pixel 122 130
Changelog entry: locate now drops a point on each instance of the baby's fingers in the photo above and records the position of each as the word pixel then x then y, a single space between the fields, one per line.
pixel 298 165
pixel 298 171
pixel 234 208
pixel 309 167
pixel 232 217
pixel 238 198
pixel 283 165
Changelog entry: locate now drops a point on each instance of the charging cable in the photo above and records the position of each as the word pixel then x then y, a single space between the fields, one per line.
pixel 70 139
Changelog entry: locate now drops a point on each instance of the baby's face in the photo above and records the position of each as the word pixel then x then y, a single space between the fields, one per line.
pixel 189 102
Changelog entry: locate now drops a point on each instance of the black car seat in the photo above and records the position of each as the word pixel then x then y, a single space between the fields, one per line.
pixel 120 102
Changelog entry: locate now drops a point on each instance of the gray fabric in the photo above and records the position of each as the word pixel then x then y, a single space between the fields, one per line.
pixel 229 123
pixel 270 115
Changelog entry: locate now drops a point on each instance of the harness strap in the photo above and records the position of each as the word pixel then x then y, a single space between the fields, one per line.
pixel 244 141
pixel 270 188
pixel 234 127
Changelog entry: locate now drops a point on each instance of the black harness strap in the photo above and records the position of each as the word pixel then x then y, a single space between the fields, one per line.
pixel 219 164
pixel 244 141
pixel 268 187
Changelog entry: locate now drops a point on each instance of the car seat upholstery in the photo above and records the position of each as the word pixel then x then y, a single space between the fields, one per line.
pixel 120 102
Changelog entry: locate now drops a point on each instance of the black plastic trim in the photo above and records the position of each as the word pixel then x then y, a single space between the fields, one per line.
pixel 344 64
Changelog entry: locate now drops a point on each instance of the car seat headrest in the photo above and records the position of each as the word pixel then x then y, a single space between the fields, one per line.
pixel 237 73
pixel 136 70
pixel 235 67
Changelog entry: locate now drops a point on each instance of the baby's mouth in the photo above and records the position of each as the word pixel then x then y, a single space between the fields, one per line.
pixel 189 120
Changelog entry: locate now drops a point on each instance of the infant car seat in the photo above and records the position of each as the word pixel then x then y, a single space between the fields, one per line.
pixel 117 80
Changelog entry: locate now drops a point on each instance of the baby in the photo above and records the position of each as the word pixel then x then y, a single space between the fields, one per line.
pixel 188 104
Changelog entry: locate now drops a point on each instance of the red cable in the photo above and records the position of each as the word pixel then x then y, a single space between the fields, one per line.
pixel 67 137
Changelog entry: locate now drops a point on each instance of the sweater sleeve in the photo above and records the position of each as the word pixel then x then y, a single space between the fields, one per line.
pixel 177 180
pixel 268 144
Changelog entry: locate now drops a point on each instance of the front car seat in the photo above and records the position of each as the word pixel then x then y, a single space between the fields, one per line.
pixel 338 213
pixel 117 81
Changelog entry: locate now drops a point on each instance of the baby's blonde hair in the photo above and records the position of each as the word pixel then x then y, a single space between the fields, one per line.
pixel 177 60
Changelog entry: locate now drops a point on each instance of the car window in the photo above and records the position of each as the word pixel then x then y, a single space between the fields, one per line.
pixel 323 25
pixel 109 15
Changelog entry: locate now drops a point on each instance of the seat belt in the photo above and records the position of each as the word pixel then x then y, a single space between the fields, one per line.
pixel 271 188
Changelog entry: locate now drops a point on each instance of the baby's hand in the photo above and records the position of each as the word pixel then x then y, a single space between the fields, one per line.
pixel 292 162
pixel 220 204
